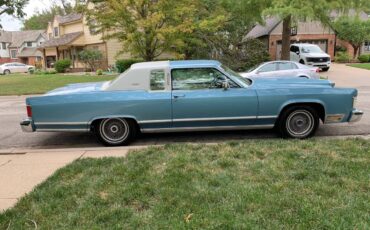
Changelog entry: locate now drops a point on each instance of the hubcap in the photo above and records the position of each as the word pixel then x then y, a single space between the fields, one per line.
pixel 114 130
pixel 300 123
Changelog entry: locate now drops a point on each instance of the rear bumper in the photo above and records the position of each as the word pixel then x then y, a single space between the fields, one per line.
pixel 27 125
pixel 356 115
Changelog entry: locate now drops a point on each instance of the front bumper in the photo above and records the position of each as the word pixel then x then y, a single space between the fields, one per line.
pixel 356 115
pixel 27 125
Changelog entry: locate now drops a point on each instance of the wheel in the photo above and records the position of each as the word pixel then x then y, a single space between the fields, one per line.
pixel 298 122
pixel 116 131
pixel 325 69
pixel 6 72
pixel 301 61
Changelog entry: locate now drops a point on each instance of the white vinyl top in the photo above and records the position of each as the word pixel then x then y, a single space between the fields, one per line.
pixel 151 65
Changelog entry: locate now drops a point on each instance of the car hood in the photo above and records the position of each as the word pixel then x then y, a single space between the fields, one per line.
pixel 319 55
pixel 290 83
pixel 78 88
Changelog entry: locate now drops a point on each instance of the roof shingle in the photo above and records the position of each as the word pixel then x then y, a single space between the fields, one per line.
pixel 62 40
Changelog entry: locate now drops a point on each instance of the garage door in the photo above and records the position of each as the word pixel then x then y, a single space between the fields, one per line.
pixel 323 44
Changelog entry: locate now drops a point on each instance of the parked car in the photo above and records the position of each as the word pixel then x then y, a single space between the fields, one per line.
pixel 177 96
pixel 280 69
pixel 15 67
pixel 309 54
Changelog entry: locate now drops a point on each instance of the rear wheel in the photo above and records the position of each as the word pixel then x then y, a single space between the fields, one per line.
pixel 6 72
pixel 116 131
pixel 298 122
pixel 301 61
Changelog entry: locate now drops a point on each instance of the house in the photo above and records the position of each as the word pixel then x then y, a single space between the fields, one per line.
pixel 21 46
pixel 309 31
pixel 69 35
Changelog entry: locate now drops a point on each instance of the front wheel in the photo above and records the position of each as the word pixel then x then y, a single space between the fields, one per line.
pixel 298 122
pixel 325 69
pixel 6 72
pixel 116 131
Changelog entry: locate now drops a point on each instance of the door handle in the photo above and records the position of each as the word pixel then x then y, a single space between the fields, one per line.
pixel 178 96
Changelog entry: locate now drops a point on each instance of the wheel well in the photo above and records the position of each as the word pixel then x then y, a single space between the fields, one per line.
pixel 96 122
pixel 319 108
pixel 304 76
pixel 301 61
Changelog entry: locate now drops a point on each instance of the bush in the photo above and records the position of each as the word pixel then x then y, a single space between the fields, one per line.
pixel 123 65
pixel 99 72
pixel 91 57
pixel 342 57
pixel 364 58
pixel 62 65
pixel 340 49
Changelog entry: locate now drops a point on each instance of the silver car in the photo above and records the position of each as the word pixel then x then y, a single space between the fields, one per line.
pixel 279 69
pixel 15 67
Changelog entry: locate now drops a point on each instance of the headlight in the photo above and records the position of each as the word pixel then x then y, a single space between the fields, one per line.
pixel 354 102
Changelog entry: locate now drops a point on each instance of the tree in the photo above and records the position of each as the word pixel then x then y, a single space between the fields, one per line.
pixel 291 11
pixel 147 28
pixel 353 30
pixel 12 7
pixel 91 57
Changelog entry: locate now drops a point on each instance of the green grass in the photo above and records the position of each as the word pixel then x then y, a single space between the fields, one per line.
pixel 361 65
pixel 23 84
pixel 259 184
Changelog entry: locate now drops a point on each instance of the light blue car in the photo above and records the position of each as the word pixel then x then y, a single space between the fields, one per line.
pixel 178 96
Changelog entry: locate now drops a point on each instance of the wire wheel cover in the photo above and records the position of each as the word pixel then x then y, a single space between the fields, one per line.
pixel 114 130
pixel 300 123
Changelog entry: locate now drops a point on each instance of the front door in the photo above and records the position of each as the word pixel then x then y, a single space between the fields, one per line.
pixel 200 101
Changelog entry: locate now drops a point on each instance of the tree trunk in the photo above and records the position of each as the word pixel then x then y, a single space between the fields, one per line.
pixel 355 51
pixel 285 49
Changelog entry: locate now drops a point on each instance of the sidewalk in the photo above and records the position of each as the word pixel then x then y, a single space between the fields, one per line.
pixel 21 170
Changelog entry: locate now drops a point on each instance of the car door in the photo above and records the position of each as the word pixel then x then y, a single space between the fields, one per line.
pixel 200 101
pixel 267 70
pixel 294 53
pixel 17 68
pixel 287 69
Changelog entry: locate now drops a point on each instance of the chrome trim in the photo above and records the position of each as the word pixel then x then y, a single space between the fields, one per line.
pixel 266 117
pixel 27 126
pixel 334 118
pixel 356 115
pixel 61 123
pixel 63 130
pixel 153 121
pixel 214 119
pixel 206 128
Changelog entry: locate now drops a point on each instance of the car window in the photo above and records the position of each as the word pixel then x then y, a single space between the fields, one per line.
pixel 157 80
pixel 287 66
pixel 268 68
pixel 198 78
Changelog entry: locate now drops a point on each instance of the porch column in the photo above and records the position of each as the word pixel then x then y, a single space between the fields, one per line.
pixel 45 59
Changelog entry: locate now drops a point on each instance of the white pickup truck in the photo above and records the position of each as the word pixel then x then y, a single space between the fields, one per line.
pixel 311 55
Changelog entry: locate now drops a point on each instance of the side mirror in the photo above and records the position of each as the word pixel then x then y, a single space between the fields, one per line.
pixel 225 85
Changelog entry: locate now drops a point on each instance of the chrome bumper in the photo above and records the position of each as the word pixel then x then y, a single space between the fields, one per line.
pixel 356 115
pixel 27 125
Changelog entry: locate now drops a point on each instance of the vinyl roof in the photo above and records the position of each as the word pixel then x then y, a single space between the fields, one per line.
pixel 175 64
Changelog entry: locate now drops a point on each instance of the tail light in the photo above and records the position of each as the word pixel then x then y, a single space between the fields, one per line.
pixel 318 70
pixel 29 111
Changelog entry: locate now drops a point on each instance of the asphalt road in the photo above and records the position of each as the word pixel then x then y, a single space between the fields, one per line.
pixel 12 110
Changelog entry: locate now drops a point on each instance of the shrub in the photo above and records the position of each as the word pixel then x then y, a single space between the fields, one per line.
pixel 340 49
pixel 342 57
pixel 31 71
pixel 99 72
pixel 364 58
pixel 62 65
pixel 91 57
pixel 123 65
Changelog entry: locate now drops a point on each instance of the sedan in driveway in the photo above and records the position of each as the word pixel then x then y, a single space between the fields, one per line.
pixel 279 69
pixel 15 67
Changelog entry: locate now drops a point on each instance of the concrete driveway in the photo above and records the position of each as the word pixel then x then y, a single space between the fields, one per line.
pixel 12 110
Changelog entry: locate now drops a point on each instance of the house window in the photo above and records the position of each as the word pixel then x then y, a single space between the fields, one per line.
pixel 29 44
pixel 13 54
pixel 93 27
pixel 56 31
pixel 3 44
pixel 293 31
pixel 367 46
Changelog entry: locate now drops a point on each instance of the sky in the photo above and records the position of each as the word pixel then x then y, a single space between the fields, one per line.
pixel 13 24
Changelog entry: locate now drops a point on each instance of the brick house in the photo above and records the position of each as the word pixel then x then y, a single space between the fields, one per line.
pixel 21 46
pixel 309 31
pixel 68 35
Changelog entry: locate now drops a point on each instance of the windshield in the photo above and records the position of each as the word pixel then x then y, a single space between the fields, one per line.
pixel 236 75
pixel 311 49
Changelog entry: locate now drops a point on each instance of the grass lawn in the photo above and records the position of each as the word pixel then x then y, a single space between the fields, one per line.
pixel 259 184
pixel 22 84
pixel 361 65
